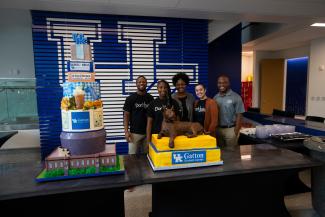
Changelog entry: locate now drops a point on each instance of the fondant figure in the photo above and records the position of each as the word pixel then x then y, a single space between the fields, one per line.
pixel 171 127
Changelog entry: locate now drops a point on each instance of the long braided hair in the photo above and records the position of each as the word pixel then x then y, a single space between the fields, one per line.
pixel 169 93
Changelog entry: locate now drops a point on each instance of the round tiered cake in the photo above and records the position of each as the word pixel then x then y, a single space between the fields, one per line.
pixel 81 107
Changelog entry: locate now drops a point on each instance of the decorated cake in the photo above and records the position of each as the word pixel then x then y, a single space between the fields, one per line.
pixel 83 150
pixel 188 152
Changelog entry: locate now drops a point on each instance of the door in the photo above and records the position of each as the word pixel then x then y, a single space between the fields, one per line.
pixel 272 84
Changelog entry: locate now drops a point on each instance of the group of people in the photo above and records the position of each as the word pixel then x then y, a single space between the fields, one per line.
pixel 220 116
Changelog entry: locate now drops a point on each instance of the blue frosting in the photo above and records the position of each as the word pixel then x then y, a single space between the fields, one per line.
pixel 79 38
pixel 92 89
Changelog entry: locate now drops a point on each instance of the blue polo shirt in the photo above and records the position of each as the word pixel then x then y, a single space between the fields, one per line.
pixel 229 105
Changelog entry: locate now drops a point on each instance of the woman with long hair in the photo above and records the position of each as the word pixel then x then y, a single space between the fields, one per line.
pixel 205 110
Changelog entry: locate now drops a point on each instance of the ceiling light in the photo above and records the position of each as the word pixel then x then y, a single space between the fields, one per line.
pixel 318 24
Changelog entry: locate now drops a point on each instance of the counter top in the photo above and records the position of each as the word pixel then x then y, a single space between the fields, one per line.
pixel 19 167
pixel 303 126
pixel 244 160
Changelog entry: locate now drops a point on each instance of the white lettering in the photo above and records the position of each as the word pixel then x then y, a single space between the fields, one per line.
pixel 193 156
pixel 158 109
pixel 141 105
pixel 200 109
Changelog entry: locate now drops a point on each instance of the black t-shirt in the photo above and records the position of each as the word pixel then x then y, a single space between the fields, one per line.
pixel 199 112
pixel 155 111
pixel 137 105
pixel 184 116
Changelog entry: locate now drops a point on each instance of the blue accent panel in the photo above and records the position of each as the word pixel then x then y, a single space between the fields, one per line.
pixel 123 47
pixel 184 157
pixel 80 120
pixel 225 59
pixel 296 85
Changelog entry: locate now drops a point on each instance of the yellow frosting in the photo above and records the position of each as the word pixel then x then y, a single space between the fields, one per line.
pixel 164 159
pixel 184 143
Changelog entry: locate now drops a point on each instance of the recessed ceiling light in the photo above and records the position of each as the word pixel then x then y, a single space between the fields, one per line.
pixel 318 24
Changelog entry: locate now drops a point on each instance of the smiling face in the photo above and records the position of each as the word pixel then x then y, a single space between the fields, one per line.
pixel 200 92
pixel 223 84
pixel 181 86
pixel 162 90
pixel 141 84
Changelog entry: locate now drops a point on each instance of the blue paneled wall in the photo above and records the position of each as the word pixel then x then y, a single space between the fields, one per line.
pixel 124 47
pixel 296 85
pixel 225 58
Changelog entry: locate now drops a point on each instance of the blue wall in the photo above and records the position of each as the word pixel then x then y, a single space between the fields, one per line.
pixel 225 58
pixel 296 85
pixel 124 47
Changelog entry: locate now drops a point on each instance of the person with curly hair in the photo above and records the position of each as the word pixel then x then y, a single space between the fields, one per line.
pixel 184 99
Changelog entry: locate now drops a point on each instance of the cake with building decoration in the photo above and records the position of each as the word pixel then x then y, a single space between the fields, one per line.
pixel 187 153
pixel 83 150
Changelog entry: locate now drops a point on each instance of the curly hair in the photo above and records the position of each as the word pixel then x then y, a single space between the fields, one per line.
pixel 181 76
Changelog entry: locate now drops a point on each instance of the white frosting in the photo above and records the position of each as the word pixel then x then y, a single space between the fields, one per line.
pixel 78 91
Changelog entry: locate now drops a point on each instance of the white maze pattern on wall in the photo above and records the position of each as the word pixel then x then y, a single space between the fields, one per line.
pixel 142 42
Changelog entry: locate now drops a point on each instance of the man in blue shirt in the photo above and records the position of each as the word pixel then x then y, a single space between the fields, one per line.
pixel 231 108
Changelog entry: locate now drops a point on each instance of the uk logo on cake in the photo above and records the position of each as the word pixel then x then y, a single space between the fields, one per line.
pixel 80 120
pixel 184 157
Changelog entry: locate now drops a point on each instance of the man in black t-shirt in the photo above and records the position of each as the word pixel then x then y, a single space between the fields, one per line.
pixel 135 117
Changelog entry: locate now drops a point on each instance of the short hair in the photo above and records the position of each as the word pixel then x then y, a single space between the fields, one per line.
pixel 140 76
pixel 181 75
pixel 224 76
pixel 201 85
pixel 169 95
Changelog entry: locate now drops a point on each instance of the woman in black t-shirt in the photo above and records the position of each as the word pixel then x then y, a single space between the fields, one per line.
pixel 205 110
pixel 156 107
pixel 184 99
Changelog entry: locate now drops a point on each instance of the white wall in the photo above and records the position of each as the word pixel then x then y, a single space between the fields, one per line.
pixel 218 28
pixel 16 44
pixel 285 54
pixel 316 79
pixel 257 57
pixel 246 66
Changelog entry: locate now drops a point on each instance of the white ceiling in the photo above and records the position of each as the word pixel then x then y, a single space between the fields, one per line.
pixel 296 14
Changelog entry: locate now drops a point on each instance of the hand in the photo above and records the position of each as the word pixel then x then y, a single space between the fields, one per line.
pixel 237 129
pixel 128 136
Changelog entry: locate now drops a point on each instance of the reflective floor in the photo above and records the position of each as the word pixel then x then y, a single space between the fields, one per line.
pixel 138 201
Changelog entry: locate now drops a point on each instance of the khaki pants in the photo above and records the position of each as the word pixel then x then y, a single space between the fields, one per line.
pixel 138 144
pixel 227 138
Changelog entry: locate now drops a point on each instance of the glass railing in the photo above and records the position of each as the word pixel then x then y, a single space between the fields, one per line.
pixel 18 104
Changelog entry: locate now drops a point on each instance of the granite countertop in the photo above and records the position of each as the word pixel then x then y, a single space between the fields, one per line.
pixel 299 123
pixel 18 169
pixel 246 159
